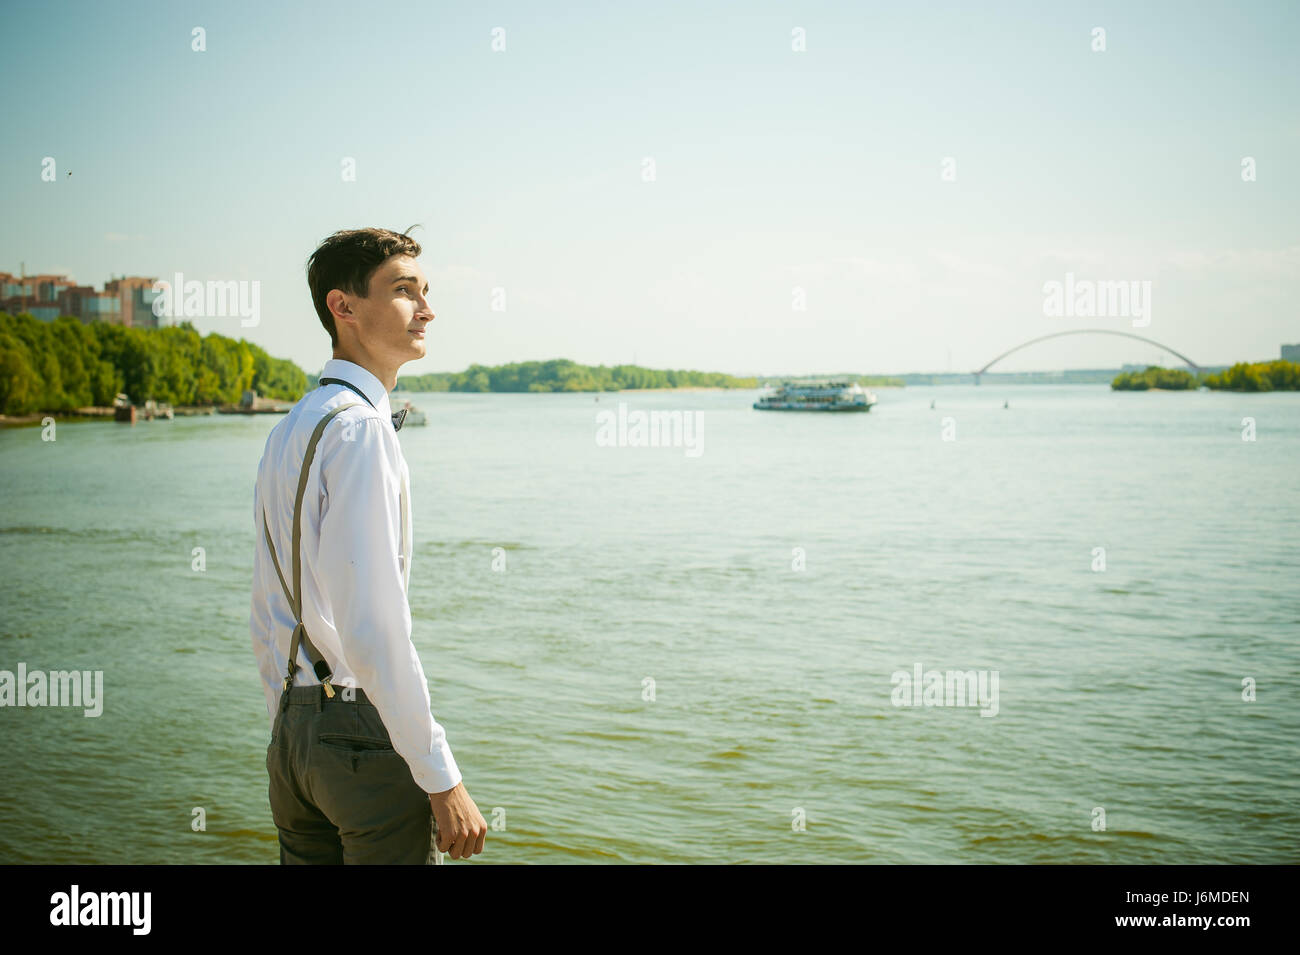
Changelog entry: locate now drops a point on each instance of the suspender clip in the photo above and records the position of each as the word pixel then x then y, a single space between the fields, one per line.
pixel 324 675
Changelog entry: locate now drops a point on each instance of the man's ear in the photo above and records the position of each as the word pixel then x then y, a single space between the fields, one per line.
pixel 337 302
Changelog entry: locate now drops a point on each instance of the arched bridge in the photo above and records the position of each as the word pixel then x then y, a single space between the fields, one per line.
pixel 1084 331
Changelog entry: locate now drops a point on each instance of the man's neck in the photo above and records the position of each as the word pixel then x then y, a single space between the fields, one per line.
pixel 387 375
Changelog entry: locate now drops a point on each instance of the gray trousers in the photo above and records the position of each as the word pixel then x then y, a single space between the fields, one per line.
pixel 340 794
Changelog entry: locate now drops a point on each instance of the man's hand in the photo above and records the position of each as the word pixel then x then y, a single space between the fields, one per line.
pixel 461 827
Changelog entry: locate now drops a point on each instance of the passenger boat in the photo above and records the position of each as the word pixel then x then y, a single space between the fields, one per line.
pixel 832 395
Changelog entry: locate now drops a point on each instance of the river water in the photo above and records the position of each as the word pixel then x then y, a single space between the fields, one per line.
pixel 693 653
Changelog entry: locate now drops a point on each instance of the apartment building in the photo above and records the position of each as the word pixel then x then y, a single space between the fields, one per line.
pixel 127 300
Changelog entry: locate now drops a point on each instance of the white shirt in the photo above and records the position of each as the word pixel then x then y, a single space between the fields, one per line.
pixel 356 559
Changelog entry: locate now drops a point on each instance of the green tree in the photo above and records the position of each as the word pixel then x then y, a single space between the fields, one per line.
pixel 20 386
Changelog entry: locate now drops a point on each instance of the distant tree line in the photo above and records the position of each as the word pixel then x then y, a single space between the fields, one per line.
pixel 560 374
pixel 1277 375
pixel 880 381
pixel 867 381
pixel 1153 376
pixel 64 365
pixel 1260 376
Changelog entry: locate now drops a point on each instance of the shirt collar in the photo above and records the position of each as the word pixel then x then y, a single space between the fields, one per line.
pixel 354 374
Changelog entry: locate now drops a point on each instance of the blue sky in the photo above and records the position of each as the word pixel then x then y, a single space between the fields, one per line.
pixel 774 170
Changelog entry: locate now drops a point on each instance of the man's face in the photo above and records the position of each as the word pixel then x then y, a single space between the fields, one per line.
pixel 392 318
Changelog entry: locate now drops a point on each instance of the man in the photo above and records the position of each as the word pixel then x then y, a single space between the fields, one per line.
pixel 359 770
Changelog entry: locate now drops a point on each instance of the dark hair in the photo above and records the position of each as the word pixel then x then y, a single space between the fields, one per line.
pixel 347 260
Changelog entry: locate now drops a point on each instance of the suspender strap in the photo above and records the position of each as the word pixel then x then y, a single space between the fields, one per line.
pixel 319 666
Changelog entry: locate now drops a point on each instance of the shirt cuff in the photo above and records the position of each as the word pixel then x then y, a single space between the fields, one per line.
pixel 436 772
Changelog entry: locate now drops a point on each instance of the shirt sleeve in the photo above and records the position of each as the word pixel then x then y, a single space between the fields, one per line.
pixel 361 576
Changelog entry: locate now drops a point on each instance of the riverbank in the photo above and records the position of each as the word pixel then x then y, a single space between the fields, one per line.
pixel 637 391
pixel 90 413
